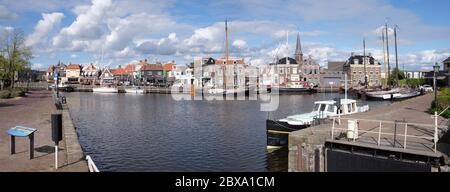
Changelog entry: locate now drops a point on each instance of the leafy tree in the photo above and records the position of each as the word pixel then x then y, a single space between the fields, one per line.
pixel 16 55
pixel 401 74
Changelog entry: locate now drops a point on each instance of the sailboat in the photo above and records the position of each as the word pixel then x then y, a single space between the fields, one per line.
pixel 106 81
pixel 392 93
pixel 236 90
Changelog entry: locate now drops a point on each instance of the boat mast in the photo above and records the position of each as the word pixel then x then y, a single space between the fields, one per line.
pixel 287 58
pixel 364 62
pixel 396 56
pixel 384 56
pixel 226 55
pixel 387 50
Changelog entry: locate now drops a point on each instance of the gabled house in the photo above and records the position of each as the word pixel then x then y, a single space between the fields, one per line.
pixel 60 69
pixel 73 73
pixel 89 74
pixel 120 75
pixel 153 73
pixel 169 69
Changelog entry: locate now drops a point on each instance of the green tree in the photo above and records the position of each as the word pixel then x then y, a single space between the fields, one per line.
pixel 401 74
pixel 16 54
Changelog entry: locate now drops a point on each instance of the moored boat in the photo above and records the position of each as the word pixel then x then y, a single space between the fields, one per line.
pixel 394 94
pixel 105 90
pixel 135 90
pixel 278 130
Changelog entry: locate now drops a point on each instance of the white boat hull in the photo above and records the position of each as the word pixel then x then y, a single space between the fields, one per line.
pixel 105 90
pixel 135 91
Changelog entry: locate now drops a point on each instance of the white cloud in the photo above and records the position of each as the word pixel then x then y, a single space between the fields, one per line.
pixel 44 27
pixel 6 14
pixel 38 66
pixel 74 56
pixel 87 26
pixel 239 44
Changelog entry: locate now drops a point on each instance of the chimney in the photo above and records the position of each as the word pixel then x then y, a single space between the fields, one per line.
pixel 370 54
pixel 353 54
pixel 145 60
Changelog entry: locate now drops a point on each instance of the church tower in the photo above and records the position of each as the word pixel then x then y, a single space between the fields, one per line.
pixel 298 51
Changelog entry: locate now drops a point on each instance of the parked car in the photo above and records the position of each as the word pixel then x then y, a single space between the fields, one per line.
pixel 426 88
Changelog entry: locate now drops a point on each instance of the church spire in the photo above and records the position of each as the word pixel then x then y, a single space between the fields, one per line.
pixel 298 48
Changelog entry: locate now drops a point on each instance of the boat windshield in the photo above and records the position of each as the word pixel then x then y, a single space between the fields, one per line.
pixel 316 107
pixel 320 107
pixel 330 108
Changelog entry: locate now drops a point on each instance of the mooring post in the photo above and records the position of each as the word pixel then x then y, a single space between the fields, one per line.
pixel 379 134
pixel 435 130
pixel 332 129
pixel 406 132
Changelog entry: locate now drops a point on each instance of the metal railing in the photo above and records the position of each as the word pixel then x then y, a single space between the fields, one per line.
pixel 387 130
pixel 91 165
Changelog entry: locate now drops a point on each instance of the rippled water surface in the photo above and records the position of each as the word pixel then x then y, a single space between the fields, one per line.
pixel 125 132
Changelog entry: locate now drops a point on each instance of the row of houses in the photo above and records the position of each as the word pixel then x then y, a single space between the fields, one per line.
pixel 138 73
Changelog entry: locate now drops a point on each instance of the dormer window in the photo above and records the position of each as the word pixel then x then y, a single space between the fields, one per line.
pixel 224 62
pixel 234 62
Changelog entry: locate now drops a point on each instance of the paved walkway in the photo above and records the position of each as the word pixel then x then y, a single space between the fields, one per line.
pixel 32 111
pixel 415 111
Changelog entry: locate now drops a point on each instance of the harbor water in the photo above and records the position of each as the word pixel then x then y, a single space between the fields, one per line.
pixel 125 132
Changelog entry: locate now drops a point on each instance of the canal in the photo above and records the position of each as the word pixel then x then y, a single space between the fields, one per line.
pixel 125 132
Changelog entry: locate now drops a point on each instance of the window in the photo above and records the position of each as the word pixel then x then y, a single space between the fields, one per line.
pixel 330 108
pixel 316 107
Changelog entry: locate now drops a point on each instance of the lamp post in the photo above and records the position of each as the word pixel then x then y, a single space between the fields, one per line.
pixel 436 71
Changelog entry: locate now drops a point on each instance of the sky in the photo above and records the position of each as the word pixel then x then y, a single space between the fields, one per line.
pixel 110 33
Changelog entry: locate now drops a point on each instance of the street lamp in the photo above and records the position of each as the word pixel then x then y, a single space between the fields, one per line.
pixel 436 71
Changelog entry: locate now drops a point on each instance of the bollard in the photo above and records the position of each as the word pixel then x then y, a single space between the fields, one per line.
pixel 56 133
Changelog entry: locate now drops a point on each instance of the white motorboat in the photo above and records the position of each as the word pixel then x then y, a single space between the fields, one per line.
pixel 105 90
pixel 278 130
pixel 135 90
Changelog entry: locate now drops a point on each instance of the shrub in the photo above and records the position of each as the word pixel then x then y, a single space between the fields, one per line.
pixel 443 102
pixel 5 94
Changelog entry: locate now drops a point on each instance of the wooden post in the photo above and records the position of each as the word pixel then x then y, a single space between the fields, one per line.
pixel 406 132
pixel 31 146
pixel 13 145
pixel 435 130
pixel 379 134
pixel 332 129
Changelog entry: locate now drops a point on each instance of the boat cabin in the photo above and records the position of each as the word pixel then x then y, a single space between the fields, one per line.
pixel 348 106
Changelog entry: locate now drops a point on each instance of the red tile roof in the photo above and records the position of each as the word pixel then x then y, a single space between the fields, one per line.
pixel 118 71
pixel 73 66
pixel 129 69
pixel 51 69
pixel 153 67
pixel 169 66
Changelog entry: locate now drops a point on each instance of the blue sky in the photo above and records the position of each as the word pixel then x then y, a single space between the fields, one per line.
pixel 127 31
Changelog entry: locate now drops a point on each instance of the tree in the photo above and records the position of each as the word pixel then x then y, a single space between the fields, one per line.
pixel 401 74
pixel 15 53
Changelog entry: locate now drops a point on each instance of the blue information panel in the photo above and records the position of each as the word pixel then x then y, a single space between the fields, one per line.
pixel 20 131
